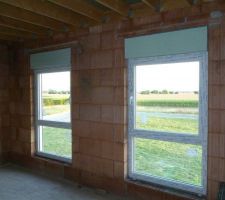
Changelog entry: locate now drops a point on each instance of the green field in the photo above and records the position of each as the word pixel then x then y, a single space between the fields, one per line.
pixel 156 158
pixel 170 125
pixel 168 103
pixel 55 103
pixel 57 141
pixel 168 160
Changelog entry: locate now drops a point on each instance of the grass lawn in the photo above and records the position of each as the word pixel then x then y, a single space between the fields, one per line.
pixel 169 124
pixel 57 141
pixel 166 159
pixel 51 110
pixel 169 160
pixel 172 161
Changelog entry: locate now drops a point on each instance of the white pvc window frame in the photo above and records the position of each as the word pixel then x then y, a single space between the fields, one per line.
pixel 199 139
pixel 40 122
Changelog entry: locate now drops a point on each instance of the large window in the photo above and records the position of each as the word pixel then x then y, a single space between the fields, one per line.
pixel 168 121
pixel 53 118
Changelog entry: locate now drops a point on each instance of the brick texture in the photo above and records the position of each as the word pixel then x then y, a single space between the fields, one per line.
pixel 4 98
pixel 99 103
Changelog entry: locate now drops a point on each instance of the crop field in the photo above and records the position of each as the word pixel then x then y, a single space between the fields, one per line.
pixel 168 100
pixel 55 103
pixel 180 96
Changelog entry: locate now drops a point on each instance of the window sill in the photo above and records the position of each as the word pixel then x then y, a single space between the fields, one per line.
pixel 46 158
pixel 167 190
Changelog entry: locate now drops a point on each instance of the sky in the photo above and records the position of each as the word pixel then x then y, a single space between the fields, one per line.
pixel 59 81
pixel 172 77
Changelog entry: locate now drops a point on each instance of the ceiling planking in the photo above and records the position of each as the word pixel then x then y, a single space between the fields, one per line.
pixel 33 19
pixel 116 5
pixel 81 7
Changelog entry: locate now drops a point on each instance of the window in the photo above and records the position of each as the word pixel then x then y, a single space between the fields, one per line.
pixel 168 121
pixel 53 118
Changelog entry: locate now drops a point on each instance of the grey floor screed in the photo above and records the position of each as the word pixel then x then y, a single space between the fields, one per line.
pixel 20 184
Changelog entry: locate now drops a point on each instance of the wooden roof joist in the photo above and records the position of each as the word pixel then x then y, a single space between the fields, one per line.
pixel 20 25
pixel 156 5
pixel 115 5
pixel 29 17
pixel 193 2
pixel 47 9
pixel 150 4
pixel 81 7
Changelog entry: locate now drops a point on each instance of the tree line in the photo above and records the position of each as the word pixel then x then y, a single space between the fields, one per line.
pixel 162 92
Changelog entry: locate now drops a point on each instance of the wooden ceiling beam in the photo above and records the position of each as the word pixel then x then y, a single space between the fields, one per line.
pixel 155 5
pixel 20 25
pixel 80 7
pixel 50 10
pixel 29 17
pixel 149 4
pixel 192 2
pixel 115 5
pixel 16 33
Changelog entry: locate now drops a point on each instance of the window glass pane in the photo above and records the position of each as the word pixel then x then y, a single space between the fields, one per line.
pixel 56 141
pixel 167 97
pixel 168 160
pixel 55 96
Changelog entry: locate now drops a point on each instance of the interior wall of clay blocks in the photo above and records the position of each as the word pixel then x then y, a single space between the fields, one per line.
pixel 5 65
pixel 99 105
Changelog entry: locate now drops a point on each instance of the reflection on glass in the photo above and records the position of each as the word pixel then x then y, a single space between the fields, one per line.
pixel 167 97
pixel 168 160
pixel 55 96
pixel 56 141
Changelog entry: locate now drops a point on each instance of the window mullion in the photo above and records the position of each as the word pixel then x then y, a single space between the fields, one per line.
pixel 54 124
pixel 170 137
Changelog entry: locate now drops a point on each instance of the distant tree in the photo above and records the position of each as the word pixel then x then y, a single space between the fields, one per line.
pixel 171 92
pixel 176 92
pixel 164 92
pixel 51 91
pixel 145 92
pixel 154 92
pixel 195 92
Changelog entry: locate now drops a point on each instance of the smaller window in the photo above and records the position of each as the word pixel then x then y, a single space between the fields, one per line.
pixel 53 118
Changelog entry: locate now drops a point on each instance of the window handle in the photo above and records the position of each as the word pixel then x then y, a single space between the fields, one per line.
pixel 131 100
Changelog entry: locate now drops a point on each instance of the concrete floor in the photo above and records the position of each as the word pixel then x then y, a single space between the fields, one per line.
pixel 20 184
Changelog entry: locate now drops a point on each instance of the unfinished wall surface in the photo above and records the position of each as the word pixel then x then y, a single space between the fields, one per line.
pixel 99 104
pixel 20 101
pixel 4 95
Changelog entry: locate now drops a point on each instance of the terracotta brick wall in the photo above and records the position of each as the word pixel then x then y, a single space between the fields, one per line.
pixel 4 95
pixel 20 138
pixel 216 137
pixel 99 107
